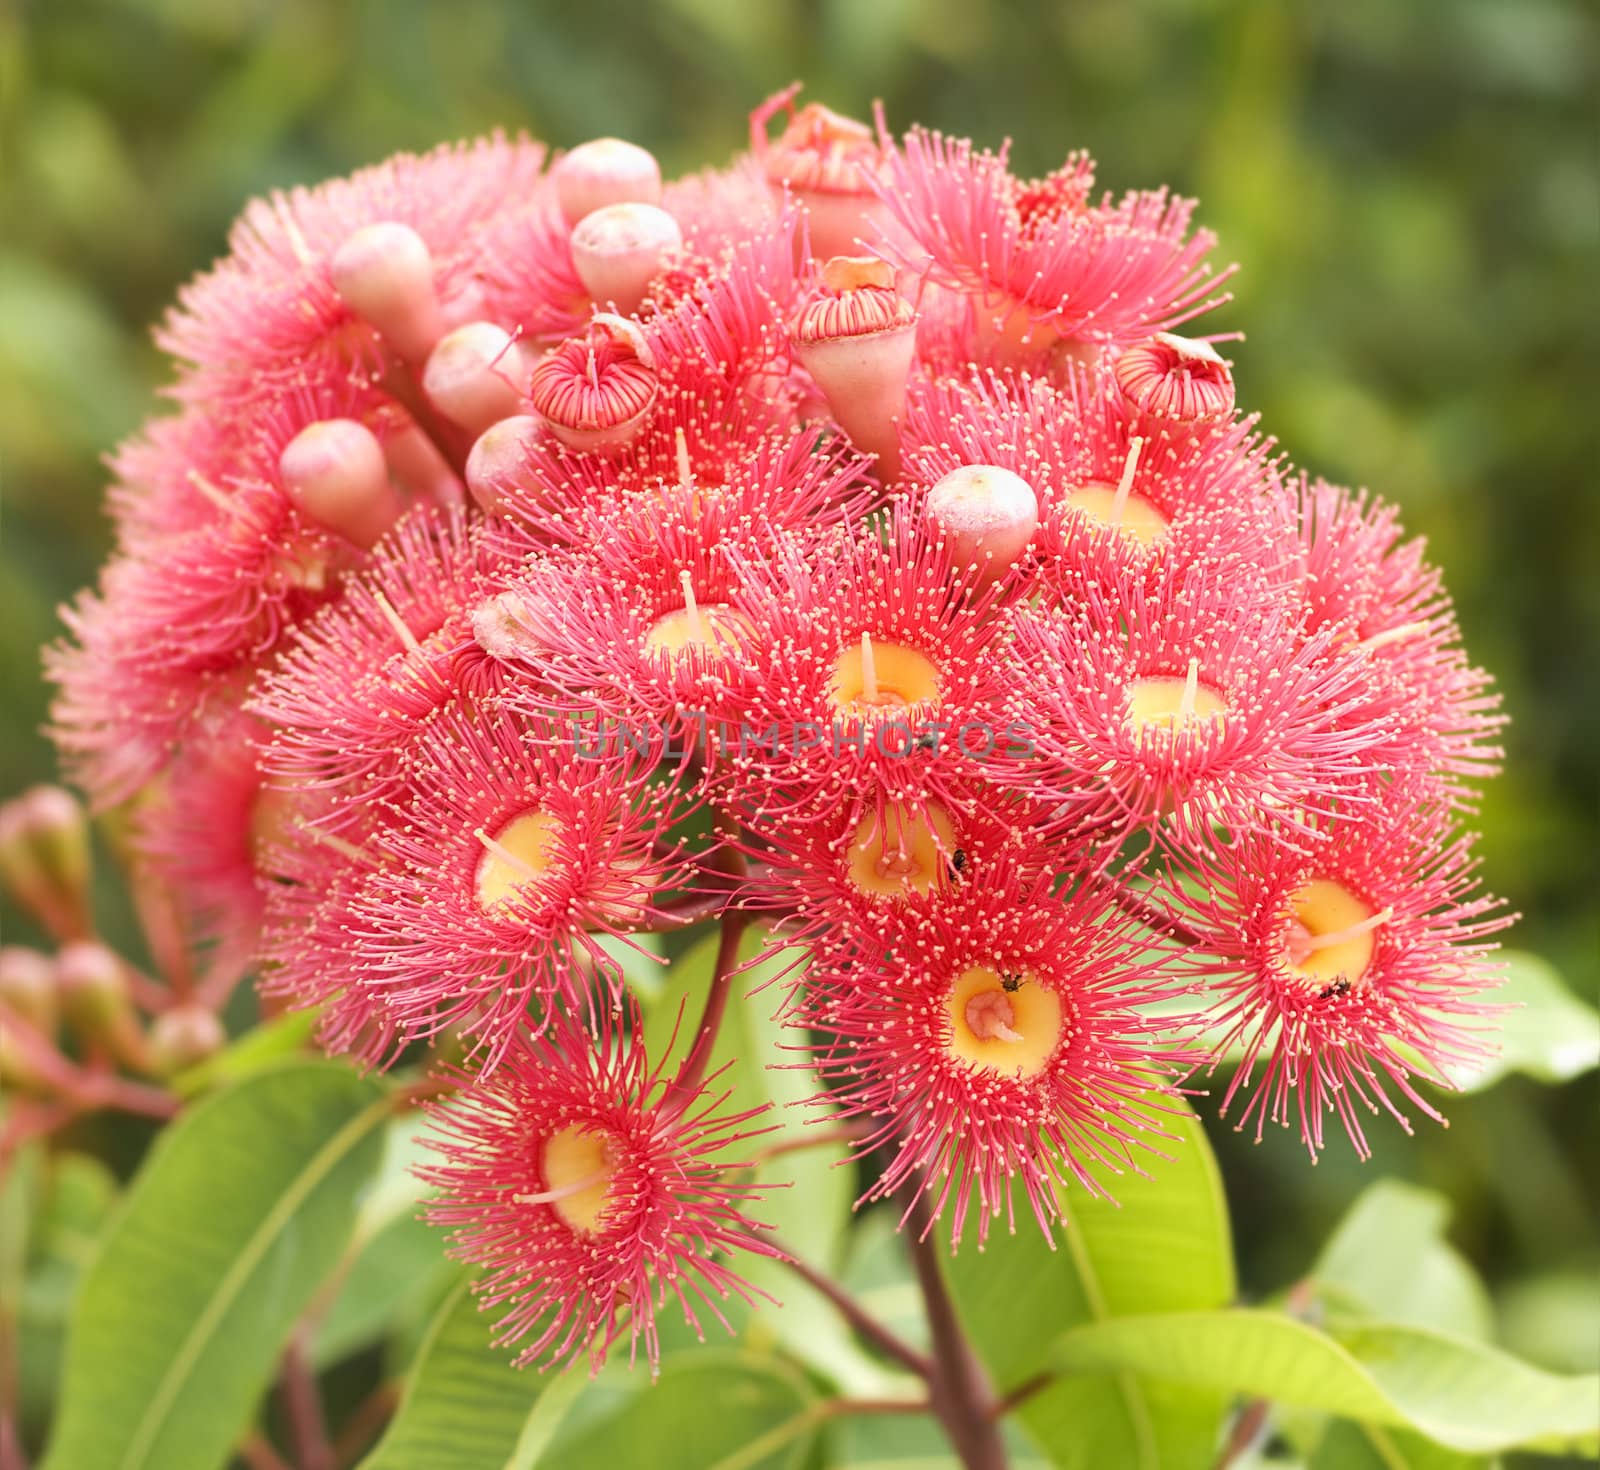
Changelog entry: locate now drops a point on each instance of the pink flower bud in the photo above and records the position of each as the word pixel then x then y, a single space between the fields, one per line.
pixel 605 171
pixel 856 335
pixel 1176 379
pixel 28 987
pixel 498 462
pixel 619 249
pixel 44 858
pixel 987 516
pixel 336 475
pixel 474 376
pixel 416 464
pixel 182 1037
pixel 385 275
pixel 596 390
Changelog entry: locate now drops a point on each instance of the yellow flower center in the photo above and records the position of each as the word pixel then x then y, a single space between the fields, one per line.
pixel 1171 703
pixel 902 849
pixel 1332 934
pixel 877 675
pixel 1006 1023
pixel 517 857
pixel 578 1167
pixel 1131 515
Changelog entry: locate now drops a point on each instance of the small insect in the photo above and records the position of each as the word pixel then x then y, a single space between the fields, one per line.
pixel 958 863
pixel 1341 986
pixel 1011 983
pixel 927 740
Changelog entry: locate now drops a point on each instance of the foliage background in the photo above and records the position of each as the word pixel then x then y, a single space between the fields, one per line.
pixel 1410 187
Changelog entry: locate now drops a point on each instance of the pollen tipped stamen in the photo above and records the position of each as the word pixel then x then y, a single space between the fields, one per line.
pixel 214 493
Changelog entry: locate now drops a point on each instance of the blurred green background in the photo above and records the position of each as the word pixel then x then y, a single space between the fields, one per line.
pixel 1411 189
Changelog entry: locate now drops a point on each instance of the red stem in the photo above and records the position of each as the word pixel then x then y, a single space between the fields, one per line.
pixel 884 1338
pixel 962 1399
pixel 303 1405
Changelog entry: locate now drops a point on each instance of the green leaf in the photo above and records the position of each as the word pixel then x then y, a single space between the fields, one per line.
pixel 1165 1245
pixel 76 1194
pixel 1349 1446
pixel 257 1050
pixel 1549 1033
pixel 1388 1259
pixel 467 1408
pixel 237 1216
pixel 809 1203
pixel 1460 1394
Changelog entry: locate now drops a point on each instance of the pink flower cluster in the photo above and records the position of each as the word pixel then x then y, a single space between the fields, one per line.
pixel 542 555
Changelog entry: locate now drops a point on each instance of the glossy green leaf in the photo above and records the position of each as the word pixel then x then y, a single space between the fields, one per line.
pixel 259 1049
pixel 1388 1259
pixel 237 1217
pixel 1349 1446
pixel 467 1408
pixel 1165 1245
pixel 1460 1394
pixel 1547 1032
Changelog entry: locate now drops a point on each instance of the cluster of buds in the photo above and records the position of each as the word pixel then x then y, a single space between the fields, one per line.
pixel 521 511
pixel 76 1017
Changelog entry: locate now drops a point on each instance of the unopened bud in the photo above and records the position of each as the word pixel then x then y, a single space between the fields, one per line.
pixel 596 390
pixel 416 464
pixel 28 987
pixel 987 516
pixel 618 250
pixel 498 463
pixel 44 858
pixel 606 171
pixel 384 272
pixel 475 375
pixel 182 1037
pixel 1177 379
pixel 856 336
pixel 93 987
pixel 336 475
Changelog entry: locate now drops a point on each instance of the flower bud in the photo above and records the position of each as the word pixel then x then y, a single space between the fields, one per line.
pixel 44 858
pixel 856 335
pixel 826 162
pixel 605 171
pixel 596 390
pixel 385 275
pixel 336 474
pixel 1176 379
pixel 182 1037
pixel 498 462
pixel 417 466
pixel 987 516
pixel 618 250
pixel 474 376
pixel 93 988
pixel 28 987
